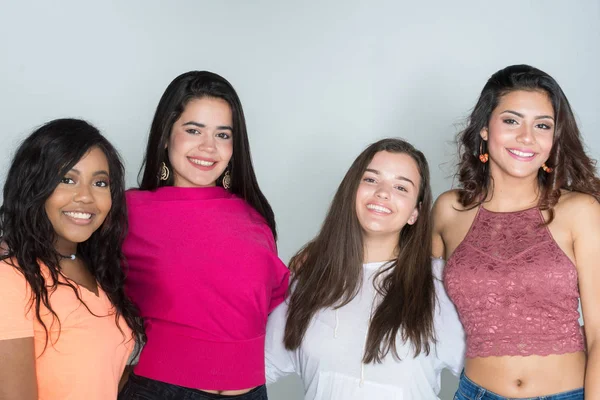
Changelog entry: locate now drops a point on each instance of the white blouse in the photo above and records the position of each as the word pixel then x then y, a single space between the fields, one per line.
pixel 329 361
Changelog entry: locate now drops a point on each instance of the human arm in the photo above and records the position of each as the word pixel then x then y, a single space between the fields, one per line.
pixel 585 217
pixel 442 212
pixel 450 336
pixel 17 349
pixel 279 361
pixel 17 369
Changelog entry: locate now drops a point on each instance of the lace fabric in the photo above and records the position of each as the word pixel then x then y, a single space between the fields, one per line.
pixel 515 290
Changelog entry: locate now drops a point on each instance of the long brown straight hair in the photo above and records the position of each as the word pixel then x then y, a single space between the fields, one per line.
pixel 328 272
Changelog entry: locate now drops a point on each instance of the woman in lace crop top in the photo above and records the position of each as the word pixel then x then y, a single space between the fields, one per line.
pixel 520 237
pixel 350 329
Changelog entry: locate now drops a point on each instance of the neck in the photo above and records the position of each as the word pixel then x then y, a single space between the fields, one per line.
pixel 65 248
pixel 512 194
pixel 379 248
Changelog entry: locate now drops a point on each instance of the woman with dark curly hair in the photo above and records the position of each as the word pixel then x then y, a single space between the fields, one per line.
pixel 520 237
pixel 66 326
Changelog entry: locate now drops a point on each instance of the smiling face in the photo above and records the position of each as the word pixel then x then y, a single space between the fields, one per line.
pixel 201 142
pixel 386 199
pixel 520 133
pixel 80 202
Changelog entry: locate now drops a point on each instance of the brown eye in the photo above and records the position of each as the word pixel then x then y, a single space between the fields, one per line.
pixel 102 184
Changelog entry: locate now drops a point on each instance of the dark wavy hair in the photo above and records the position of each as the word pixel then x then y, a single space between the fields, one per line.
pixel 327 272
pixel 27 234
pixel 573 169
pixel 196 85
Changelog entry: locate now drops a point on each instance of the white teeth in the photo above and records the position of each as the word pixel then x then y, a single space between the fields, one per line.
pixel 521 153
pixel 202 162
pixel 78 215
pixel 379 208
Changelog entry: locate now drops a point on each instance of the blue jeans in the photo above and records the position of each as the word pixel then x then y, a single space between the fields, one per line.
pixel 469 390
pixel 140 388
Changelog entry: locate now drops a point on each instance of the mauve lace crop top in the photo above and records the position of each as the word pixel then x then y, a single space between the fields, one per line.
pixel 515 290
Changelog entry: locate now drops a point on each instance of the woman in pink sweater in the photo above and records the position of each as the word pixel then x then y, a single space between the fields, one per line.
pixel 202 261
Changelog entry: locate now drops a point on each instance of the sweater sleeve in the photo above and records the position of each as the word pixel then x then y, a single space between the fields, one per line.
pixel 279 362
pixel 281 278
pixel 450 346
pixel 16 319
pixel 280 288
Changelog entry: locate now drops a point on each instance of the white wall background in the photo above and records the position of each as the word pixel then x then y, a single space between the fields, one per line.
pixel 318 80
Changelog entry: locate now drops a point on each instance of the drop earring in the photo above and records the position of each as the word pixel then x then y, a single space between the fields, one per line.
pixel 227 180
pixel 483 157
pixel 546 168
pixel 164 172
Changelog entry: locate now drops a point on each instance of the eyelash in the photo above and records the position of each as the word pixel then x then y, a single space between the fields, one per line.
pixel 399 188
pixel 104 184
pixel 221 135
pixel 100 184
pixel 510 121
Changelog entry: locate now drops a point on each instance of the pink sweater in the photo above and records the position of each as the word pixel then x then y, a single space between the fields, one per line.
pixel 204 271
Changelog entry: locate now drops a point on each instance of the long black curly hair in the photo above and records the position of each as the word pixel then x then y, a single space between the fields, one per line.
pixel 27 234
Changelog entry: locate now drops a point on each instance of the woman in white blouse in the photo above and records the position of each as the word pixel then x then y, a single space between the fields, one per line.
pixel 367 317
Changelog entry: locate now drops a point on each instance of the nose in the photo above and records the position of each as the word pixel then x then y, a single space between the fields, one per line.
pixel 83 194
pixel 382 192
pixel 207 142
pixel 526 135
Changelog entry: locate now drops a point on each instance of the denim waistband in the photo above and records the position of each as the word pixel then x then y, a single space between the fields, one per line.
pixel 162 390
pixel 471 390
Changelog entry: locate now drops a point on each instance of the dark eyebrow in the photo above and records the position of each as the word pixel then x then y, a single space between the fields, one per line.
pixel 522 116
pixel 399 177
pixel 101 172
pixel 199 125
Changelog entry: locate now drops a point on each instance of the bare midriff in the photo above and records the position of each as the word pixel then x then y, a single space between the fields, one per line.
pixel 531 376
pixel 229 392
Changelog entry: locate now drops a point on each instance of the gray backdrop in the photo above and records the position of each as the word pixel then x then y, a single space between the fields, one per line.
pixel 318 80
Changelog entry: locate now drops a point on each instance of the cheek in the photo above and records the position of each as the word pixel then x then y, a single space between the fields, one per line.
pixel 177 143
pixel 407 205
pixel 361 193
pixel 546 143
pixel 226 150
pixel 57 200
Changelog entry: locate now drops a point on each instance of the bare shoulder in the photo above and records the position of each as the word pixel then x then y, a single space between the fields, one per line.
pixel 575 205
pixel 578 212
pixel 446 207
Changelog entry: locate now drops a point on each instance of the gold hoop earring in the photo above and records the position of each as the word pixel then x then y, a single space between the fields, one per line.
pixel 164 172
pixel 227 180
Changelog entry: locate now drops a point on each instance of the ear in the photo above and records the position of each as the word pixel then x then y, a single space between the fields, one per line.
pixel 484 133
pixel 413 216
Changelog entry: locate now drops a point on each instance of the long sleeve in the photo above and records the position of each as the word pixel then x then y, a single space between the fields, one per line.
pixel 279 361
pixel 450 347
